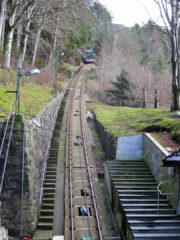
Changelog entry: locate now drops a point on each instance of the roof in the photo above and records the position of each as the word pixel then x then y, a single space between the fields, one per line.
pixel 172 160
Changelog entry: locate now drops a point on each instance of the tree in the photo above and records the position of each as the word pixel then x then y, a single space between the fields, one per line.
pixel 15 13
pixel 2 20
pixel 169 10
pixel 122 89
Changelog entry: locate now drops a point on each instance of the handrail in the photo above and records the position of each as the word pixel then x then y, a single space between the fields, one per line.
pixel 9 142
pixel 5 130
pixel 22 182
pixel 161 193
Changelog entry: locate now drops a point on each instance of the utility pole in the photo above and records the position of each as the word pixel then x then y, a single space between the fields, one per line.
pixel 56 73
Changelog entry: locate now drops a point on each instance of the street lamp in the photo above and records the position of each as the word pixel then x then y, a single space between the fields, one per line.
pixel 19 75
pixel 56 70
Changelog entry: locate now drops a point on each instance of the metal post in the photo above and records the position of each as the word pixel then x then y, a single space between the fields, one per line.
pixel 22 183
pixel 18 87
pixel 56 73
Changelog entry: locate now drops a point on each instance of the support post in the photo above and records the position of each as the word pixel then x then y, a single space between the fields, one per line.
pixel 56 73
pixel 18 82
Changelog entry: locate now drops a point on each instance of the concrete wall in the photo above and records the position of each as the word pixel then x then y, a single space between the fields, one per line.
pixel 153 153
pixel 130 148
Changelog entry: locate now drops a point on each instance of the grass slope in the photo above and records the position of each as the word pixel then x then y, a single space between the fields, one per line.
pixel 32 99
pixel 123 121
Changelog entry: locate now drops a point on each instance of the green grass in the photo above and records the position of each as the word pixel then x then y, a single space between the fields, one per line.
pixel 123 121
pixel 33 98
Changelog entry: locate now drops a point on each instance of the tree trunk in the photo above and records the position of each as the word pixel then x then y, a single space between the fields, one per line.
pixel 18 38
pixel 23 46
pixel 144 98
pixel 2 20
pixel 175 55
pixel 8 46
pixel 36 45
pixel 156 99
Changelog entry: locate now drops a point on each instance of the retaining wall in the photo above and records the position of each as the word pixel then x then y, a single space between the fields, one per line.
pixel 36 143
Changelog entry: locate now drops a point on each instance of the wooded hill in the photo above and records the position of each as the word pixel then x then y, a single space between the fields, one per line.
pixel 141 51
pixel 38 28
pixel 32 32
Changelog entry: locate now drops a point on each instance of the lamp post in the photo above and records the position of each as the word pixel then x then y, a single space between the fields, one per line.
pixel 18 83
pixel 56 70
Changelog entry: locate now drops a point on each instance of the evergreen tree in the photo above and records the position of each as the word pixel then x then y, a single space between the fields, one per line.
pixel 122 89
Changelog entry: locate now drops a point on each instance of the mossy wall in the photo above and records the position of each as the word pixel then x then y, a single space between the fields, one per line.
pixel 108 141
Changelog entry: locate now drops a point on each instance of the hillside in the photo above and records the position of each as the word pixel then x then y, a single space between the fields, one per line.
pixel 123 121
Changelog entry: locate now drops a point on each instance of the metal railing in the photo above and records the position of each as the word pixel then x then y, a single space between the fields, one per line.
pixel 6 127
pixel 8 146
pixel 163 194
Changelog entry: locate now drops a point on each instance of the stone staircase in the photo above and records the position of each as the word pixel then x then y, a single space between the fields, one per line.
pixel 45 224
pixel 136 189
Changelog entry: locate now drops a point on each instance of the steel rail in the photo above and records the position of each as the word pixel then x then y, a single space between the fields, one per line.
pixel 82 174
pixel 87 164
pixel 69 150
pixel 70 165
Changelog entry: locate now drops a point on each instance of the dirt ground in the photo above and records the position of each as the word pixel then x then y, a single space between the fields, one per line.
pixel 166 140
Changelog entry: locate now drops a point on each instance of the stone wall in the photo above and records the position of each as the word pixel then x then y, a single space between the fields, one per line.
pixel 36 143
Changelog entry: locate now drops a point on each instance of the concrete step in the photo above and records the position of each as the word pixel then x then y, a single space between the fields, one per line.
pixel 131 169
pixel 147 205
pixel 133 172
pixel 123 165
pixel 52 164
pixel 150 216
pixel 127 162
pixel 51 169
pixel 135 182
pixel 156 222
pixel 49 185
pixel 50 173
pixel 47 219
pixel 47 181
pixel 47 206
pixel 138 187
pixel 51 177
pixel 49 190
pixel 45 226
pixel 129 191
pixel 156 236
pixel 46 212
pixel 142 201
pixel 48 195
pixel 132 176
pixel 48 200
pixel 155 229
pixel 147 211
pixel 139 196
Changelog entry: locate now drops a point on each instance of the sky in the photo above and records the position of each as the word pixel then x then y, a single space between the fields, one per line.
pixel 129 12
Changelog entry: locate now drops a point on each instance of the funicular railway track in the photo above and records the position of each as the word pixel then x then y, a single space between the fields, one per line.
pixel 82 220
